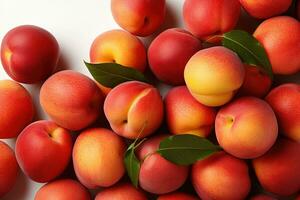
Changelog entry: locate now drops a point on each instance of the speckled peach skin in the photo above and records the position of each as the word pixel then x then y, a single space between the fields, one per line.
pixel 177 196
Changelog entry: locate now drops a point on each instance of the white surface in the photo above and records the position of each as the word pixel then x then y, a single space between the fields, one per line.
pixel 75 24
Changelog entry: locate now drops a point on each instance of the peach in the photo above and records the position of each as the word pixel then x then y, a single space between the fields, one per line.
pixel 168 176
pixel 29 54
pixel 257 83
pixel 43 150
pixel 63 189
pixel 17 109
pixel 265 8
pixel 184 114
pixel 262 197
pixel 139 17
pixel 246 128
pixel 177 196
pixel 169 52
pixel 123 191
pixel 8 169
pixel 134 109
pixel 218 177
pixel 281 44
pixel 71 99
pixel 98 158
pixel 284 100
pixel 213 75
pixel 278 170
pixel 215 17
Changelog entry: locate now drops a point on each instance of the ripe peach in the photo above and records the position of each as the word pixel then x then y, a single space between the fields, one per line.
pixel 266 8
pixel 281 44
pixel 123 191
pixel 8 169
pixel 71 99
pixel 262 197
pixel 246 128
pixel 98 157
pixel 184 114
pixel 29 54
pixel 43 150
pixel 206 18
pixel 177 196
pixel 64 189
pixel 140 17
pixel 256 83
pixel 168 177
pixel 278 170
pixel 134 109
pixel 284 100
pixel 169 52
pixel 213 75
pixel 17 108
pixel 218 177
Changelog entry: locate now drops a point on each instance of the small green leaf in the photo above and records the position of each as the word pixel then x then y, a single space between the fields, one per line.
pixel 186 149
pixel 248 48
pixel 112 74
pixel 132 165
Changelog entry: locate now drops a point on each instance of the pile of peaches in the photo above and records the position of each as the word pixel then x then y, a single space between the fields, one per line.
pixel 215 94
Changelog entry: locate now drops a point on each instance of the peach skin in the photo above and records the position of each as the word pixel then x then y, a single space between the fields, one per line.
pixel 63 189
pixel 215 17
pixel 134 109
pixel 184 114
pixel 71 99
pixel 278 170
pixel 168 176
pixel 139 17
pixel 177 196
pixel 29 54
pixel 246 127
pixel 262 197
pixel 284 100
pixel 257 83
pixel 265 8
pixel 169 52
pixel 98 158
pixel 218 177
pixel 213 75
pixel 281 44
pixel 43 150
pixel 17 109
pixel 8 169
pixel 124 191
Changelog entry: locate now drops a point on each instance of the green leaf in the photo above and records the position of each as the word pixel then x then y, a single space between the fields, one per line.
pixel 186 149
pixel 112 74
pixel 248 48
pixel 132 165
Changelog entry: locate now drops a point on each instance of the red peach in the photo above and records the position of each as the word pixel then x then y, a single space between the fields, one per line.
pixel 221 176
pixel 98 158
pixel 168 177
pixel 281 44
pixel 284 100
pixel 43 150
pixel 139 17
pixel 169 52
pixel 265 8
pixel 206 18
pixel 64 189
pixel 8 169
pixel 177 196
pixel 71 99
pixel 278 170
pixel 262 197
pixel 134 109
pixel 246 127
pixel 29 54
pixel 17 108
pixel 184 114
pixel 257 83
pixel 123 191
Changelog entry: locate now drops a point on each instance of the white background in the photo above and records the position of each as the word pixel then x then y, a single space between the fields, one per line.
pixel 75 24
